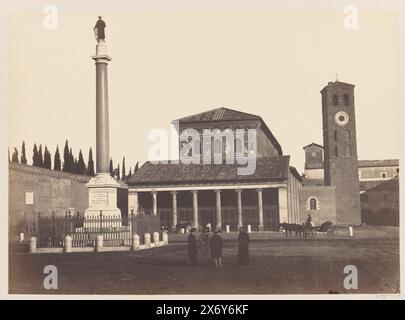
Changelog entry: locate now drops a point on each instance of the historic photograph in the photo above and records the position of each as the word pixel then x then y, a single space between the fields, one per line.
pixel 184 149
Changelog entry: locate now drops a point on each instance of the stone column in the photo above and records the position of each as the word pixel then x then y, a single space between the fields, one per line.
pixel 218 209
pixel 282 205
pixel 174 209
pixel 240 218
pixel 154 204
pixel 102 129
pixel 195 208
pixel 260 207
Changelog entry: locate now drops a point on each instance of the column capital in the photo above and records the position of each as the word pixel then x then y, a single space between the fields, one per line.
pixel 259 189
pixel 173 192
pixel 153 192
pixel 194 191
pixel 217 191
pixel 238 190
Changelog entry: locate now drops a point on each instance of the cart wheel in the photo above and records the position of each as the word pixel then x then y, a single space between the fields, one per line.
pixel 312 233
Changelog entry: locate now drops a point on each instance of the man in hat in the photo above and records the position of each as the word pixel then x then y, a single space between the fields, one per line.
pixel 192 247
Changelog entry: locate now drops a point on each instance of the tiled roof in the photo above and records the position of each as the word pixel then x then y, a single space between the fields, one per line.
pixel 267 169
pixel 378 163
pixel 220 114
pixel 313 144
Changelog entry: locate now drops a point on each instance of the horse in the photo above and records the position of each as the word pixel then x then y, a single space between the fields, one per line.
pixel 290 227
pixel 183 224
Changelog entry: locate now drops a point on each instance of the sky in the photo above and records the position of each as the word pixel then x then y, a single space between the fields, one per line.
pixel 171 64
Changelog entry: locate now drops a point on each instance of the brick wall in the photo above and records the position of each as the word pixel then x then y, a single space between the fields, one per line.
pixel 326 206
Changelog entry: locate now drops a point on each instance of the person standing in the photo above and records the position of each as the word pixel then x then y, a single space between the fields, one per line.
pixel 204 245
pixel 216 249
pixel 192 247
pixel 243 249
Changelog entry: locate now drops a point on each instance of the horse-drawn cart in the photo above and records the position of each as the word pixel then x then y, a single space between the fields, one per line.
pixel 325 228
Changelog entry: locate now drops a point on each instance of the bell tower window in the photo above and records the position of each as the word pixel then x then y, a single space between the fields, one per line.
pixel 335 100
pixel 346 99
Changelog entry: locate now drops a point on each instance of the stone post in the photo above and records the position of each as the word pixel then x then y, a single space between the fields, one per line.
pixel 165 237
pixel 33 245
pixel 147 240
pixel 99 243
pixel 156 239
pixel 227 228
pixel 135 242
pixel 68 244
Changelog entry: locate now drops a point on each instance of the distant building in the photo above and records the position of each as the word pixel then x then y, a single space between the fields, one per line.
pixel 380 204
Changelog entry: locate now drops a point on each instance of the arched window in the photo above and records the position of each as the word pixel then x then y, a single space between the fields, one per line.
pixel 312 204
pixel 336 151
pixel 346 99
pixel 335 100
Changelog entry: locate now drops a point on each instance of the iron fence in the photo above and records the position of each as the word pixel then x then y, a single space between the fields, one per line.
pixel 116 231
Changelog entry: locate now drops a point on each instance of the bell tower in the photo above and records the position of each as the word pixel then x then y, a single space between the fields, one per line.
pixel 340 150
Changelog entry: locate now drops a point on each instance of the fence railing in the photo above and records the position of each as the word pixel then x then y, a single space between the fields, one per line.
pixel 116 231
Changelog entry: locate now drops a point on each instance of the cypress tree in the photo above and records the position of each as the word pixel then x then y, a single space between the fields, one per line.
pixel 23 157
pixel 40 157
pixel 123 176
pixel 56 160
pixel 111 168
pixel 14 157
pixel 72 163
pixel 129 173
pixel 90 164
pixel 118 172
pixel 47 159
pixel 35 156
pixel 66 158
pixel 136 167
pixel 81 166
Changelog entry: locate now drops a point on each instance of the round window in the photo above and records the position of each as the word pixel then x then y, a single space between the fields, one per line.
pixel 341 118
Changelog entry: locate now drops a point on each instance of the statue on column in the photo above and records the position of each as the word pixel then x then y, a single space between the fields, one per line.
pixel 99 29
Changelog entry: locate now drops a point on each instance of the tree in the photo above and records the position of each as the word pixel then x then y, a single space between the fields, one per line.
pixel 90 164
pixel 75 166
pixel 111 168
pixel 81 166
pixel 40 157
pixel 66 158
pixel 14 157
pixel 56 160
pixel 118 172
pixel 123 175
pixel 23 157
pixel 47 159
pixel 35 161
pixel 136 167
pixel 72 161
pixel 129 173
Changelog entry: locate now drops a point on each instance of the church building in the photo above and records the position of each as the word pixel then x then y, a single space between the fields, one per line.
pixel 216 193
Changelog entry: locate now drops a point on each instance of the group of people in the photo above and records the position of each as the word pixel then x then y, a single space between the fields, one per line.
pixel 214 244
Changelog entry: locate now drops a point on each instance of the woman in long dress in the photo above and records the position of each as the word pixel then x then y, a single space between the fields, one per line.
pixel 204 246
pixel 243 250
pixel 216 249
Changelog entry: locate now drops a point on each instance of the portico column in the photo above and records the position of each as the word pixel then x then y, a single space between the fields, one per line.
pixel 240 220
pixel 260 206
pixel 195 208
pixel 154 205
pixel 174 199
pixel 218 209
pixel 282 205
